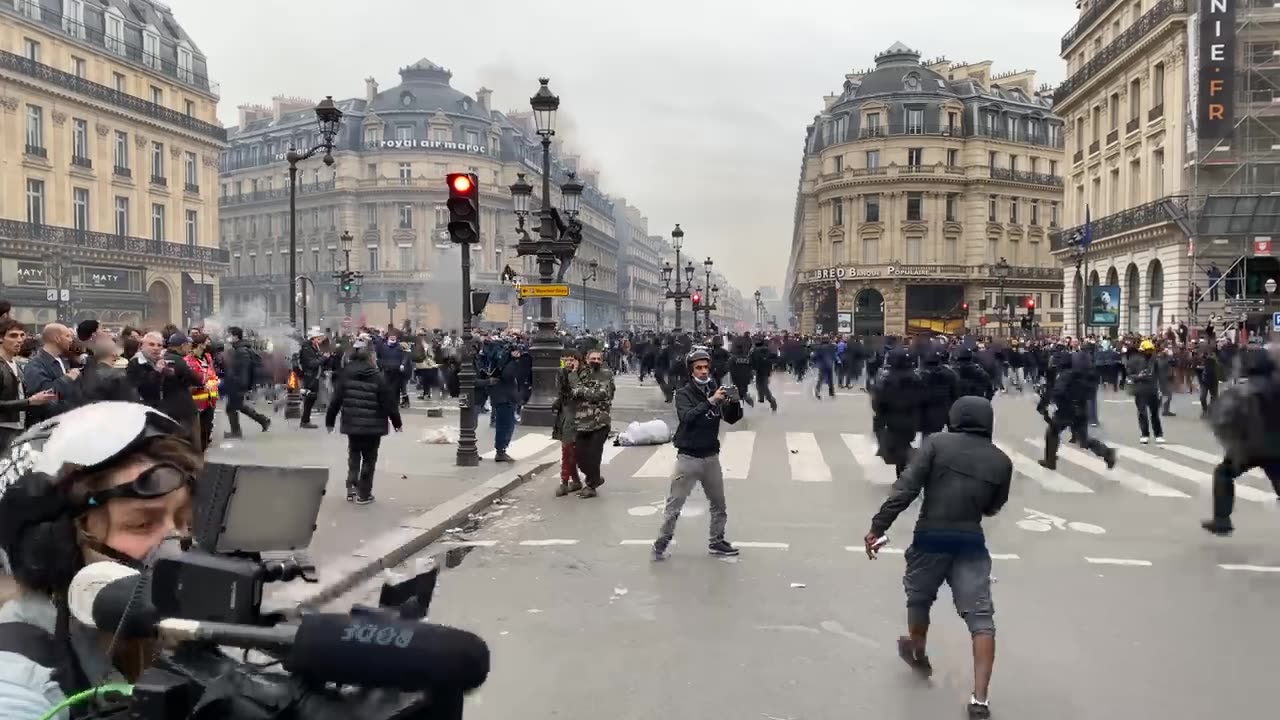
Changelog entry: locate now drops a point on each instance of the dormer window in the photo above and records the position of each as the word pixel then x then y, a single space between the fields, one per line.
pixel 151 47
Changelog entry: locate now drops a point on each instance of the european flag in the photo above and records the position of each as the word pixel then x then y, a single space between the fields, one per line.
pixel 1088 229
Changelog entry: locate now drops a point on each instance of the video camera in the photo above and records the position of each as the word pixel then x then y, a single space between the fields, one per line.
pixel 204 593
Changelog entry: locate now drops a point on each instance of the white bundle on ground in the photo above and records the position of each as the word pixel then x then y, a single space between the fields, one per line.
pixel 446 435
pixel 654 432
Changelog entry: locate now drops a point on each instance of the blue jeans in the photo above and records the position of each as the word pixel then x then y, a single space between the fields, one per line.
pixel 504 419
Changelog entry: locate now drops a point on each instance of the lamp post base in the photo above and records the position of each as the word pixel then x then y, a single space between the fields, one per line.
pixel 546 351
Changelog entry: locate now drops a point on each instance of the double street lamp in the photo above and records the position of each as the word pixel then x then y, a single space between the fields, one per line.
pixel 588 275
pixel 347 282
pixel 759 310
pixel 329 120
pixel 557 242
pixel 680 292
pixel 1002 270
pixel 707 307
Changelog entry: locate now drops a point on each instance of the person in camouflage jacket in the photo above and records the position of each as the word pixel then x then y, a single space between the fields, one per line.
pixel 566 428
pixel 592 391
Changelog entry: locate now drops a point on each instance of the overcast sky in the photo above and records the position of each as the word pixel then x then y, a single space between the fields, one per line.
pixel 693 110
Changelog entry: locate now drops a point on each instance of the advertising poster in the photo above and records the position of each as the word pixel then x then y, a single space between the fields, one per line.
pixel 1104 306
pixel 844 323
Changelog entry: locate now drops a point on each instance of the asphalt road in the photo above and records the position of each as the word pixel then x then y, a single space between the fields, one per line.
pixel 1111 602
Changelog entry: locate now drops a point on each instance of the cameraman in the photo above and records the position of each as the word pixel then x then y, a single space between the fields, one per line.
pixel 107 481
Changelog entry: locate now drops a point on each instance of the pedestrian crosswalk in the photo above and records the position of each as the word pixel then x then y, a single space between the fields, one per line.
pixel 1163 471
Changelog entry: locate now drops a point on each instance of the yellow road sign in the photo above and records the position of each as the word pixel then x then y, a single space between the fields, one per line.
pixel 542 291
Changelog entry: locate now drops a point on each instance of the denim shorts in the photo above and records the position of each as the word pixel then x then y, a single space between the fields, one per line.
pixel 967 573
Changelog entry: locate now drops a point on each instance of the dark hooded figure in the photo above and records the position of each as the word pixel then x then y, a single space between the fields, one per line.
pixel 973 380
pixel 719 359
pixel 1070 392
pixel 896 402
pixel 740 367
pixel 941 389
pixel 1246 420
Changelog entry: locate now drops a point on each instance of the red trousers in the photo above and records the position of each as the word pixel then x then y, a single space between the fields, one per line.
pixel 568 462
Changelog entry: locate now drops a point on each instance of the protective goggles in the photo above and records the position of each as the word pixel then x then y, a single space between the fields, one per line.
pixel 156 481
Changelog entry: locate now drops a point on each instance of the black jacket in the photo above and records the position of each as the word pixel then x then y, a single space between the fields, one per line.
pixel 507 388
pixel 698 434
pixel 240 360
pixel 43 372
pixel 102 383
pixel 311 362
pixel 177 382
pixel 941 389
pixel 10 404
pixel 964 478
pixel 365 397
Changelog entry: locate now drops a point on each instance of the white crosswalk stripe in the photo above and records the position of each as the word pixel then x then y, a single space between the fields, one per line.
pixel 805 458
pixel 1210 458
pixel 864 451
pixel 1050 480
pixel 525 446
pixel 1117 474
pixel 661 464
pixel 1203 479
pixel 736 451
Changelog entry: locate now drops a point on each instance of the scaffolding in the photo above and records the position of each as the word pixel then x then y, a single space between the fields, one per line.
pixel 1234 182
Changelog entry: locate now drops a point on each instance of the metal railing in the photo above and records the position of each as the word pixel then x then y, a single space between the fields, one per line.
pixel 122 171
pixel 894 130
pixel 1152 18
pixel 37 150
pixel 975 272
pixel 57 22
pixel 111 96
pixel 276 193
pixel 1026 176
pixel 1017 134
pixel 1096 10
pixel 976 172
pixel 81 161
pixel 90 240
pixel 1152 213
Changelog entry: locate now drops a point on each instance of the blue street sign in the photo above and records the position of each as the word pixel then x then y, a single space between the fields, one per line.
pixel 1275 320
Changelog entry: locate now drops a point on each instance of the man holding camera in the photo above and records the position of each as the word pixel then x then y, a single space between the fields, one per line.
pixel 700 405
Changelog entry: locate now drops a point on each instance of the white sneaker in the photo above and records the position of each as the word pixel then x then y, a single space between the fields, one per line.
pixel 1160 440
pixel 1144 439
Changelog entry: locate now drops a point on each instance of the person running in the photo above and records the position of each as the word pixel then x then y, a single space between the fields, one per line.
pixel 964 477
pixel 1069 390
pixel 1246 420
pixel 700 406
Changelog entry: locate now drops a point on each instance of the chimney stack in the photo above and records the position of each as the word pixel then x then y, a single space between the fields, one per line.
pixel 482 99
pixel 370 90
pixel 252 113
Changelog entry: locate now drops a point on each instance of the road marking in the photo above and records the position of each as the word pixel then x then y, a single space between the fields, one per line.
pixel 1252 568
pixel 545 543
pixel 1210 458
pixel 525 446
pixel 1134 482
pixel 735 454
pixel 1048 479
pixel 1118 561
pixel 471 543
pixel 661 464
pixel 1005 556
pixel 762 545
pixel 1203 479
pixel 873 468
pixel 805 458
pixel 611 452
pixel 640 542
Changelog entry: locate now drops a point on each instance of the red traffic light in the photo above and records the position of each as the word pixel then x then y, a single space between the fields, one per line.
pixel 1031 304
pixel 461 184
pixel 697 298
pixel 964 307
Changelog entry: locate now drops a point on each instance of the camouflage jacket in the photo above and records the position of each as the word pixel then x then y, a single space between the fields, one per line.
pixel 592 392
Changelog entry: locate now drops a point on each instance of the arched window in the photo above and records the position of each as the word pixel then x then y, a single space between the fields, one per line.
pixel 1133 303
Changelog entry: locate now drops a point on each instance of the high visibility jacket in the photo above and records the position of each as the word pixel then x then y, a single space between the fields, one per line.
pixel 208 396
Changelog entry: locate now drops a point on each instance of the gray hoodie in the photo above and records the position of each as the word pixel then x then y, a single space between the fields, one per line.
pixel 27 689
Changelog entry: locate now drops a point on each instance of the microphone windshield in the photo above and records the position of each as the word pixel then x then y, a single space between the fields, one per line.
pixel 385 652
pixel 100 595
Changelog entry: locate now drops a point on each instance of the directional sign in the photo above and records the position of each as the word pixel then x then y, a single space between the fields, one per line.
pixel 1275 320
pixel 544 291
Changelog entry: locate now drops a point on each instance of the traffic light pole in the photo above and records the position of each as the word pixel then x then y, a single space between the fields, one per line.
pixel 468 455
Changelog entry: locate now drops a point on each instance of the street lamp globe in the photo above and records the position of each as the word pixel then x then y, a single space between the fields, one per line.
pixel 328 120
pixel 715 292
pixel 544 106
pixel 521 191
pixel 757 296
pixel 571 195
pixel 593 265
pixel 346 240
pixel 666 274
pixel 708 264
pixel 677 237
pixel 688 272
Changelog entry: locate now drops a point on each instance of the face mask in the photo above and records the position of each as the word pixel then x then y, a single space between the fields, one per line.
pixel 594 365
pixel 702 381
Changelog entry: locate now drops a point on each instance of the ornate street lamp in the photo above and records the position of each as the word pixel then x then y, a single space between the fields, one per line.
pixel 680 293
pixel 1001 271
pixel 329 123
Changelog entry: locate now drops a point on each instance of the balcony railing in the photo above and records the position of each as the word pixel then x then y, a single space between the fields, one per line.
pixel 83 162
pixel 72 238
pixel 1132 126
pixel 122 171
pixel 118 46
pixel 1155 113
pixel 1113 137
pixel 160 180
pixel 111 96
pixel 1160 12
pixel 193 188
pixel 37 150
pixel 1095 147
pixel 1024 176
pixel 1096 10
pixel 1078 157
pixel 1152 213
pixel 1018 135
pixel 909 129
pixel 276 193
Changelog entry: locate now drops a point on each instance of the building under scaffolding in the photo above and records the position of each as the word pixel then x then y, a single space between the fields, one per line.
pixel 1201 251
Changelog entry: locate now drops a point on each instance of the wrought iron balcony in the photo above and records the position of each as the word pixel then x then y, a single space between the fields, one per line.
pixel 89 240
pixel 1095 147
pixel 110 96
pixel 1018 135
pixel 1078 157
pixel 1155 113
pixel 37 150
pixel 276 193
pixel 159 180
pixel 1152 213
pixel 122 171
pixel 83 162
pixel 1024 176
pixel 193 188
pixel 1096 10
pixel 1132 126
pixel 1144 25
pixel 1113 137
pixel 94 35
pixel 908 129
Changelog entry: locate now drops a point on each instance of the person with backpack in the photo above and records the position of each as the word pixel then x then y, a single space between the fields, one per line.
pixel 243 365
pixel 1246 420
pixel 367 399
